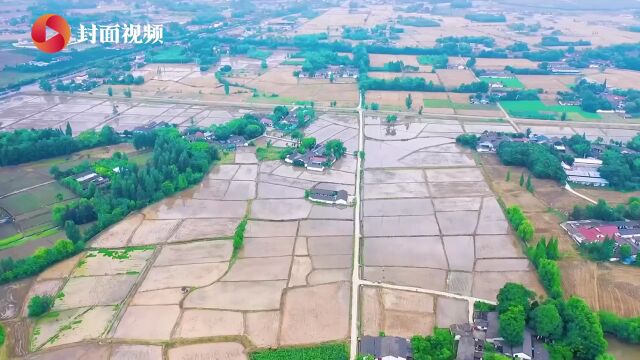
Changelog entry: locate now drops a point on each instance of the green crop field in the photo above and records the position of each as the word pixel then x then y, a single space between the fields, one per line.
pixel 536 109
pixel 319 352
pixel 512 83
pixel 34 199
pixel 437 61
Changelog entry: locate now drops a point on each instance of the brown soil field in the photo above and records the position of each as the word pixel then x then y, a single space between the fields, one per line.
pixel 604 286
pixel 452 78
pixel 395 100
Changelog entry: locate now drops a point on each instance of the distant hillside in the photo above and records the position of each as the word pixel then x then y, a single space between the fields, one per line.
pixel 574 4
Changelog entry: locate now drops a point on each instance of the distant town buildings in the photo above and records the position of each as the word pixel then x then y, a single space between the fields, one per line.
pixel 332 71
pixel 590 231
pixel 562 68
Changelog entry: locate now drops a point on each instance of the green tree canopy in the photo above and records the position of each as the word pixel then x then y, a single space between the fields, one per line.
pixel 512 323
pixel 546 321
pixel 513 294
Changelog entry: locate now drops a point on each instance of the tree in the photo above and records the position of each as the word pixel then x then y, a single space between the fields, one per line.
pixel 307 143
pixel 335 148
pixel 439 346
pixel 549 274
pixel 226 89
pixel 583 332
pixel 471 62
pixel 553 253
pixel 420 110
pixel 110 91
pixel 222 132
pixel 468 140
pixel 375 106
pixel 513 294
pixel 59 197
pixel 45 86
pixel 563 117
pixel 540 251
pixel 546 321
pixel 252 131
pixel 512 324
pixel 72 231
pixel 68 131
pixel 529 185
pixel 297 135
pixel 39 305
pixel 525 231
pixel 625 251
pixel 263 64
pixel 508 178
pixel 521 179
pixel 392 118
pixel 167 188
pixel 127 92
pixel 408 101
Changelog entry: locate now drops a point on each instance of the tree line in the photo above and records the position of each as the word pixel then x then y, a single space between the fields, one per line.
pixel 175 165
pixel 399 84
pixel 25 145
pixel 570 328
pixel 541 161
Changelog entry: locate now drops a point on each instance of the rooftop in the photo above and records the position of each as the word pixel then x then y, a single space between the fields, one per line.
pixel 380 347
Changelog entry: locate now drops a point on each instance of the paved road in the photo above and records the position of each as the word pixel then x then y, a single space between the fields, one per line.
pixel 509 119
pixel 355 279
pixel 569 189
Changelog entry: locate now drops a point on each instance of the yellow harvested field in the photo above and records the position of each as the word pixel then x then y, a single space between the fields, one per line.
pixel 280 81
pixel 334 19
pixel 381 59
pixel 500 64
pixel 452 78
pixel 624 79
pixel 436 95
pixel 550 83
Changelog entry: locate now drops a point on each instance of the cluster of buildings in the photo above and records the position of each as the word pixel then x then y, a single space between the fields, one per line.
pixel 87 178
pixel 313 159
pixel 490 140
pixel 332 71
pixel 472 342
pixel 584 171
pixel 562 68
pixel 232 143
pixel 485 329
pixel 590 231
